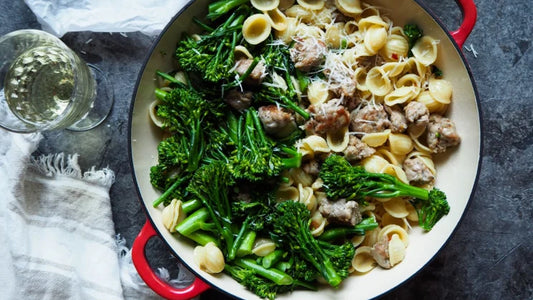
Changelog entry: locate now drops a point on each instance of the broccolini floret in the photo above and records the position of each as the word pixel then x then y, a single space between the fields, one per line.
pixel 342 180
pixel 290 223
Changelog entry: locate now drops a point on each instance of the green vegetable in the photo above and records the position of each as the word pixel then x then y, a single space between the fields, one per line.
pixel 277 61
pixel 342 180
pixel 413 33
pixel 290 223
pixel 222 7
pixel 254 156
pixel 187 116
pixel 339 233
pixel 212 55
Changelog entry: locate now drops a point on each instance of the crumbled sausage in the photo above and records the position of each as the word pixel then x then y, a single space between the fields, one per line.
pixel 357 150
pixel 311 167
pixel 380 252
pixel 238 100
pixel 276 120
pixel 327 117
pixel 397 119
pixel 308 53
pixel 257 74
pixel 340 211
pixel 441 134
pixel 370 118
pixel 417 171
pixel 417 113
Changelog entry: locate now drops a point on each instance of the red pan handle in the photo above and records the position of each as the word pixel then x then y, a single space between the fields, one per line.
pixel 163 289
pixel 469 11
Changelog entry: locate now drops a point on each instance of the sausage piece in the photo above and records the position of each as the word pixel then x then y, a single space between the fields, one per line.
pixel 441 134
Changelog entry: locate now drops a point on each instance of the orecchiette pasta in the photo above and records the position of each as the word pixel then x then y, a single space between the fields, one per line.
pixel 440 90
pixel 277 19
pixel 256 29
pixel 351 8
pixel 311 4
pixel 425 50
pixel 265 5
pixel 363 261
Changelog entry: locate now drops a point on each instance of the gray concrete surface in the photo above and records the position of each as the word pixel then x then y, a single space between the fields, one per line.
pixel 489 256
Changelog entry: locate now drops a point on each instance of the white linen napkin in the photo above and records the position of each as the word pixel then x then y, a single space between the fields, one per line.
pixel 56 229
pixel 147 16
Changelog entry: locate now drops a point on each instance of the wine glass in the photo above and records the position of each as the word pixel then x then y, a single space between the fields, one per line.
pixel 44 85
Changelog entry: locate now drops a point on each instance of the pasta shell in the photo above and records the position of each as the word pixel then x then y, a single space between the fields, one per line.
pixel 318 223
pixel 400 95
pixel 285 4
pixel 400 144
pixel 367 22
pixel 395 48
pixel 338 140
pixel 300 13
pixel 360 79
pixel 425 50
pixel 277 19
pixel 256 29
pixel 241 51
pixel 392 229
pixel 378 81
pixel 265 5
pixel 152 111
pixel 431 103
pixel 374 163
pixel 441 90
pixel 290 31
pixel 334 35
pixel 387 219
pixel 357 240
pixel 375 38
pixel 363 262
pixel 351 8
pixel 311 145
pixel 396 207
pixel 307 197
pixel 376 139
pixel 287 193
pixel 317 92
pixel 298 176
pixel 312 4
pixel 392 158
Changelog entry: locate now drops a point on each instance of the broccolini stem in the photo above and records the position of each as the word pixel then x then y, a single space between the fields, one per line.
pixel 239 239
pixel 343 232
pixel 160 94
pixel 165 195
pixel 247 244
pixel 191 205
pixel 273 258
pixel 167 77
pixel 221 7
pixel 202 238
pixel 193 222
pixel 293 106
pixel 275 275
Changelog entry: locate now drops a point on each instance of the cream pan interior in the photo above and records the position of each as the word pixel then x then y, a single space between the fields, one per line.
pixel 457 170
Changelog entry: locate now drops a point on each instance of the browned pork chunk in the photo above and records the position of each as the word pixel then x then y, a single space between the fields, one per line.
pixel 357 150
pixel 417 171
pixel 417 113
pixel 340 211
pixel 441 134
pixel 397 119
pixel 276 120
pixel 326 118
pixel 311 167
pixel 238 100
pixel 308 53
pixel 257 74
pixel 370 118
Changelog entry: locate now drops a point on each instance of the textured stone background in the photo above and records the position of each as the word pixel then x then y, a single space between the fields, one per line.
pixel 488 257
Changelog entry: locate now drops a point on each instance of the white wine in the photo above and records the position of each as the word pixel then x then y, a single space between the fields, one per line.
pixel 45 85
pixel 40 84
